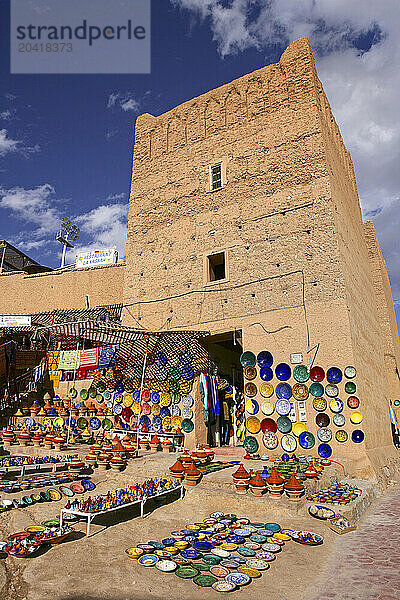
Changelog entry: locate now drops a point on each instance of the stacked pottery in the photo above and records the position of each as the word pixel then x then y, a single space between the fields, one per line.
pixel 76 465
pixel 95 449
pixel 102 461
pixel 36 439
pixel 311 473
pixel 167 446
pixel 48 441
pixel 186 459
pixel 201 456
pixel 192 475
pixel 119 449
pixel 117 463
pixel 257 485
pixel 210 452
pixel 154 443
pixel 130 450
pixel 24 438
pixel 275 484
pixel 143 443
pixel 8 437
pixel 91 459
pixel 177 471
pixel 241 478
pixel 294 488
pixel 58 442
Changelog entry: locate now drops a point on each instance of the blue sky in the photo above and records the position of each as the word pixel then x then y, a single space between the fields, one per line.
pixel 66 141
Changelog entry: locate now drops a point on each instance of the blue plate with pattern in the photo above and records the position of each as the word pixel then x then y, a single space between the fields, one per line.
pixel 334 375
pixel 155 397
pixel 264 358
pixel 283 390
pixel 94 423
pixel 266 373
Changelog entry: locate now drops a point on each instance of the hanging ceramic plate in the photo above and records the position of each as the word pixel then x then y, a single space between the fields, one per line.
pixel 268 425
pixel 289 444
pixel 324 434
pixel 350 372
pixel 127 400
pixel 322 420
pixel 266 373
pixel 350 387
pixel 94 423
pixel 187 400
pixel 136 408
pixel 176 397
pixel 175 410
pixel 336 405
pixel 324 450
pixel 334 375
pixel 284 424
pixel 331 390
pixel 60 422
pixel 157 422
pixel 283 371
pixel 248 358
pixel 320 404
pixel 250 389
pixel 72 393
pixel 339 420
pixel 252 406
pixel 266 390
pixel 317 374
pixel 250 444
pixel 155 409
pixel 187 412
pixel 270 440
pixel 166 423
pixel 265 358
pixel 307 440
pixel 118 409
pixel 283 390
pixel 301 373
pixel 106 395
pixel 341 436
pixel 300 391
pixel 253 425
pixel 187 425
pixel 84 394
pixel 250 372
pixel 267 408
pixel 176 421
pixel 316 390
pixel 283 407
pixel 146 408
pixel 356 417
pixel 353 402
pixel 298 428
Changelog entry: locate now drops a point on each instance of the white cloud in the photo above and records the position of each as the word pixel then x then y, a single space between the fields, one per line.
pixel 33 206
pixel 120 196
pixel 6 115
pixel 125 102
pixel 363 87
pixel 10 146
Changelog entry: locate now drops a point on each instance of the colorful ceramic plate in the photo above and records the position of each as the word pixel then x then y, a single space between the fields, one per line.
pixel 317 374
pixel 324 434
pixel 284 424
pixel 325 450
pixel 266 373
pixel 219 571
pixel 167 566
pixel 248 358
pixel 148 560
pixel 350 387
pixel 336 405
pixel 283 371
pixel 334 375
pixel 307 538
pixel 253 573
pixel 257 563
pixel 54 494
pixel 300 391
pixel 350 372
pixel 187 425
pixel 271 547
pixel 357 436
pixel 322 420
pixel 353 402
pixel 265 358
pixel 298 428
pixel 223 586
pixel 321 512
pixel 66 490
pixel 252 406
pixel 238 579
pixel 204 580
pixel 253 425
pixel 319 404
pixel 289 443
pixel 107 424
pixel 250 372
pixel 266 390
pixel 221 553
pixel 283 390
pixel 250 389
pixel 341 436
pixel 356 417
pixel 267 556
pixel 88 485
pixel 331 390
pixel 267 408
pixel 94 423
pixel 270 440
pixel 283 407
pixel 339 420
pixel 211 559
pixel 77 488
pixel 82 423
pixel 34 529
pixel 301 373
pixel 316 389
pixel 268 425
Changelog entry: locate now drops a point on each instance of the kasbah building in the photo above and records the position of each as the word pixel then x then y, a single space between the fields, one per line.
pixel 245 222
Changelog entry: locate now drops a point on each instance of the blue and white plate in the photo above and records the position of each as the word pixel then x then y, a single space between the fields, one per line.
pixel 94 423
pixel 238 578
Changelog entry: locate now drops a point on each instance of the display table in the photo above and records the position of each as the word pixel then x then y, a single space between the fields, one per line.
pixel 22 469
pixel 91 516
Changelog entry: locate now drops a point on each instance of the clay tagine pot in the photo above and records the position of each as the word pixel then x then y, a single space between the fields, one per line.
pixel 95 449
pixel 311 473
pixel 91 460
pixel 36 439
pixel 48 441
pixel 76 465
pixel 24 438
pixel 167 446
pixel 143 443
pixel 154 443
pixel 257 485
pixel 58 442
pixel 119 449
pixel 8 437
pixel 117 463
pixel 186 459
pixel 275 484
pixel 192 475
pixel 102 461
pixel 177 471
pixel 294 488
pixel 200 456
pixel 241 478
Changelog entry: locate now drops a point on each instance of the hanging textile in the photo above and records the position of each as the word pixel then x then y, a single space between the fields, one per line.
pixel 89 359
pixel 3 366
pixel 69 360
pixel 107 355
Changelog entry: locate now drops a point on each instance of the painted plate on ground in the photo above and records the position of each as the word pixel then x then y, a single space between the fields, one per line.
pixel 221 553
pixel 284 424
pixel 357 436
pixel 94 423
pixel 250 389
pixel 336 405
pixel 271 547
pixel 288 443
pixel 350 372
pixel 77 488
pixel 34 529
pixel 356 417
pixel 167 566
pixel 341 436
pixel 307 538
pixel 66 490
pixel 265 358
pixel 266 389
pixel 298 427
pixel 211 559
pixel 248 358
pixel 320 404
pixel 219 571
pixel 270 440
pixel 223 586
pixel 316 389
pixel 283 390
pixel 250 444
pixel 253 425
pixel 301 373
pixel 204 580
pixel 268 425
pixel 325 450
pixel 324 434
pixel 148 560
pixel 267 556
pixel 339 420
pixel 257 563
pixel 331 390
pixel 267 408
pixel 243 532
pixel 187 425
pixel 252 406
pixel 300 391
pixel 253 573
pixel 250 372
pixel 283 407
pixel 238 579
pixel 88 485
pixel 266 374
pixel 54 494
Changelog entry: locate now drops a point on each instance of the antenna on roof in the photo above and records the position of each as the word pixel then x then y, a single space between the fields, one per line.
pixel 67 232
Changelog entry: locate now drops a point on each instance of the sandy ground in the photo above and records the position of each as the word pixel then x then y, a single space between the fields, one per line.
pixel 96 567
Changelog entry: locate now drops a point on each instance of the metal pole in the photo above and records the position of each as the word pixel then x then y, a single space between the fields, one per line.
pixel 64 251
pixel 140 396
pixel 2 259
pixel 70 410
pixel 234 407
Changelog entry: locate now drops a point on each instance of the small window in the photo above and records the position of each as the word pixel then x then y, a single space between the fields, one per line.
pixel 216 177
pixel 216 266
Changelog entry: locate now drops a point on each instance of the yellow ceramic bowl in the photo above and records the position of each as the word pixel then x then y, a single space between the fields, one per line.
pixel 282 536
pixel 134 553
pixel 171 549
pixel 298 428
pixel 356 417
pixel 181 544
pixel 193 527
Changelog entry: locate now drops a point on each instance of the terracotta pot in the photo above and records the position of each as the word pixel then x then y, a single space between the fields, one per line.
pixel 241 478
pixel 91 460
pixel 192 475
pixel 275 484
pixel 257 485
pixel 167 447
pixel 144 444
pixel 117 463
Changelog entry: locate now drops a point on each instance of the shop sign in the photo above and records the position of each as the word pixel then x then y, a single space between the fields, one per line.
pixel 15 320
pixel 96 258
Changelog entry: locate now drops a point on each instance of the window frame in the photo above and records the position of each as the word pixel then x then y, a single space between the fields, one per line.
pixel 207 267
pixel 219 164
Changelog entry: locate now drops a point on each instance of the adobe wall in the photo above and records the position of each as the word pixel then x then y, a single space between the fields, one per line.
pixel 21 293
pixel 289 208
